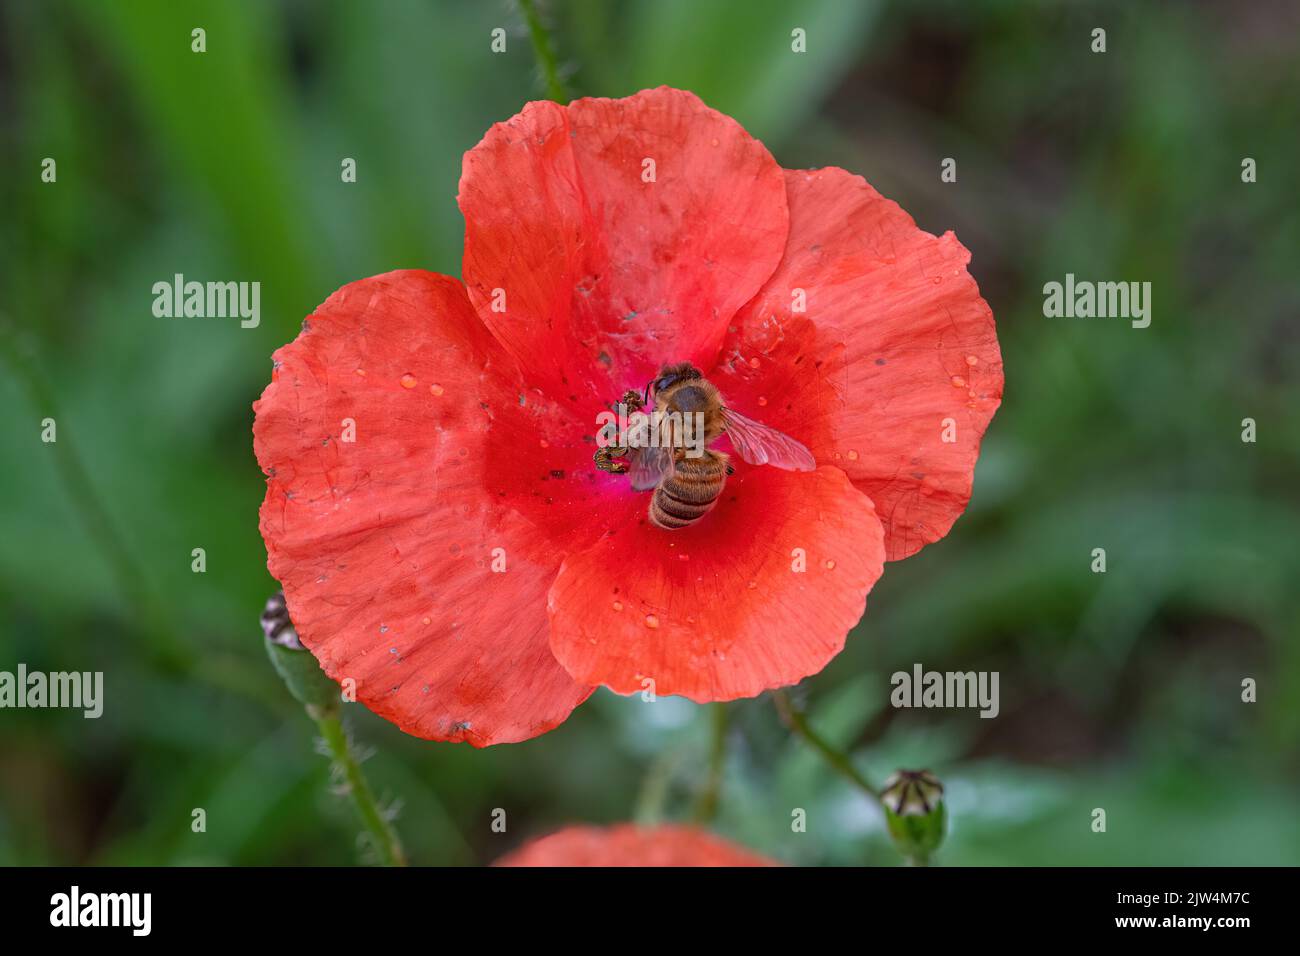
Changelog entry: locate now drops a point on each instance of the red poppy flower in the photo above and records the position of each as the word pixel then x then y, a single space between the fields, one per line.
pixel 432 507
pixel 629 845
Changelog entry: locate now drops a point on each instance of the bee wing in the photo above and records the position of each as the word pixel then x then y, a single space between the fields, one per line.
pixel 648 466
pixel 761 444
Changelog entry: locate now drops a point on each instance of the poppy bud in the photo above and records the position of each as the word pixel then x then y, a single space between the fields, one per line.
pixel 293 662
pixel 915 813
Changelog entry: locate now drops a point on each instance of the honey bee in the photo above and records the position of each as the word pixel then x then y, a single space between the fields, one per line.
pixel 687 486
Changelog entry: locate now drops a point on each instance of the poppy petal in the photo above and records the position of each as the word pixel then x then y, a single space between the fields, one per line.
pixel 612 236
pixel 872 346
pixel 400 570
pixel 758 594
pixel 630 845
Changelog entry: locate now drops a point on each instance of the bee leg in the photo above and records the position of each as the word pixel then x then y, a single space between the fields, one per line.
pixel 631 398
pixel 605 460
pixel 731 469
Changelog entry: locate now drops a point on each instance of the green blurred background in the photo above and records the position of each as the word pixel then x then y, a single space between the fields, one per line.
pixel 1119 690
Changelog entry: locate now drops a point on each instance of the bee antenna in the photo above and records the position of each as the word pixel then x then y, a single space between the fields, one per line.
pixel 646 400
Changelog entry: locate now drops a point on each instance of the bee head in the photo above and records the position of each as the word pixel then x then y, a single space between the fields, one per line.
pixel 669 376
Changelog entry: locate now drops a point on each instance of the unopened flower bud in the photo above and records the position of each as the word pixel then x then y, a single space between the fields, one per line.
pixel 293 662
pixel 915 813
pixel 276 624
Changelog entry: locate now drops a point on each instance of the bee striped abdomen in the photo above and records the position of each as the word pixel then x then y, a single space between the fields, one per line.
pixel 688 494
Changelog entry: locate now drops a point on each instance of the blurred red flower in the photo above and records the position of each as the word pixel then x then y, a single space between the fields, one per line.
pixel 432 509
pixel 629 845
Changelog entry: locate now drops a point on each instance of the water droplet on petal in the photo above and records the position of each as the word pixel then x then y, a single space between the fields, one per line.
pixel 436 389
pixel 617 605
pixel 408 380
pixel 544 443
pixel 426 621
pixel 830 565
pixel 762 400
pixel 651 621
pixel 972 361
pixel 361 372
pixel 958 381
pixel 853 456
pixel 753 585
pixel 753 363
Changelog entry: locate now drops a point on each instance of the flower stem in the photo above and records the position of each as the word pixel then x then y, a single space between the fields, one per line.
pixel 545 52
pixel 653 795
pixel 797 721
pixel 706 806
pixel 17 349
pixel 914 843
pixel 373 819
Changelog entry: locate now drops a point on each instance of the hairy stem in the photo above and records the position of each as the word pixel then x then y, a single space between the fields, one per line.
pixel 797 721
pixel 382 834
pixel 655 785
pixel 545 52
pixel 706 806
